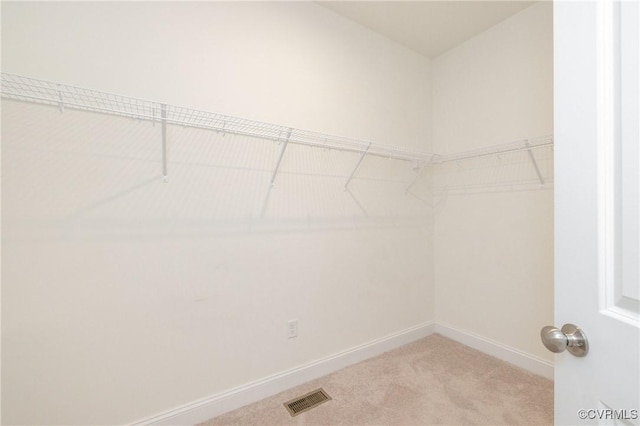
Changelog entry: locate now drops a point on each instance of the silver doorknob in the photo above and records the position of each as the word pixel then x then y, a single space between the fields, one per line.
pixel 570 337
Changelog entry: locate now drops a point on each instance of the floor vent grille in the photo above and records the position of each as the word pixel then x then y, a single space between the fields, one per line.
pixel 306 402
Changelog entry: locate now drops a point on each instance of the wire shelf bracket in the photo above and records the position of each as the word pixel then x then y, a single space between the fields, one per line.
pixel 61 103
pixel 364 154
pixel 272 181
pixel 282 150
pixel 163 116
pixel 535 163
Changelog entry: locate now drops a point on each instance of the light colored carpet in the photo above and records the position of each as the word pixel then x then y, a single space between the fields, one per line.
pixel 431 381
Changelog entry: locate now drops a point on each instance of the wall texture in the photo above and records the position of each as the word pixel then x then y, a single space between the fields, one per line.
pixel 494 248
pixel 124 296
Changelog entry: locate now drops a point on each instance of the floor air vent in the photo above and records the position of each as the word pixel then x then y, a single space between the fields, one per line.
pixel 306 402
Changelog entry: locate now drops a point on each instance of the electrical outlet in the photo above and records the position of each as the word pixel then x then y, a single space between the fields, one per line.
pixel 292 329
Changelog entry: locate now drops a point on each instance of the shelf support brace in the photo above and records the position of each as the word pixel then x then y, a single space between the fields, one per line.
pixel 284 147
pixel 61 103
pixel 163 115
pixel 535 163
pixel 275 172
pixel 364 154
pixel 418 174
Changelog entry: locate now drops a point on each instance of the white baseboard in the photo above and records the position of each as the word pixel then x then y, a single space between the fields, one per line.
pixel 215 405
pixel 498 350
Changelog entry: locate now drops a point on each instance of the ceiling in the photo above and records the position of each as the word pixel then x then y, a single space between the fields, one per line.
pixel 427 27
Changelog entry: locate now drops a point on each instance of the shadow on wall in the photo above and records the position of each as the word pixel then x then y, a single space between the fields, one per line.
pixel 89 176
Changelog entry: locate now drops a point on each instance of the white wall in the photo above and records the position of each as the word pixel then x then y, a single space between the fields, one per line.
pixel 494 249
pixel 124 296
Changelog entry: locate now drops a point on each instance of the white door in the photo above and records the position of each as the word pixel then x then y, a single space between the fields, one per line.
pixel 597 128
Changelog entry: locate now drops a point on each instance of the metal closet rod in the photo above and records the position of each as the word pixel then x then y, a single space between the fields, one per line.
pixel 65 96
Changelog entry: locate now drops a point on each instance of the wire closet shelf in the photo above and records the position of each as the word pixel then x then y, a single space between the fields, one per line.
pixel 521 145
pixel 63 96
